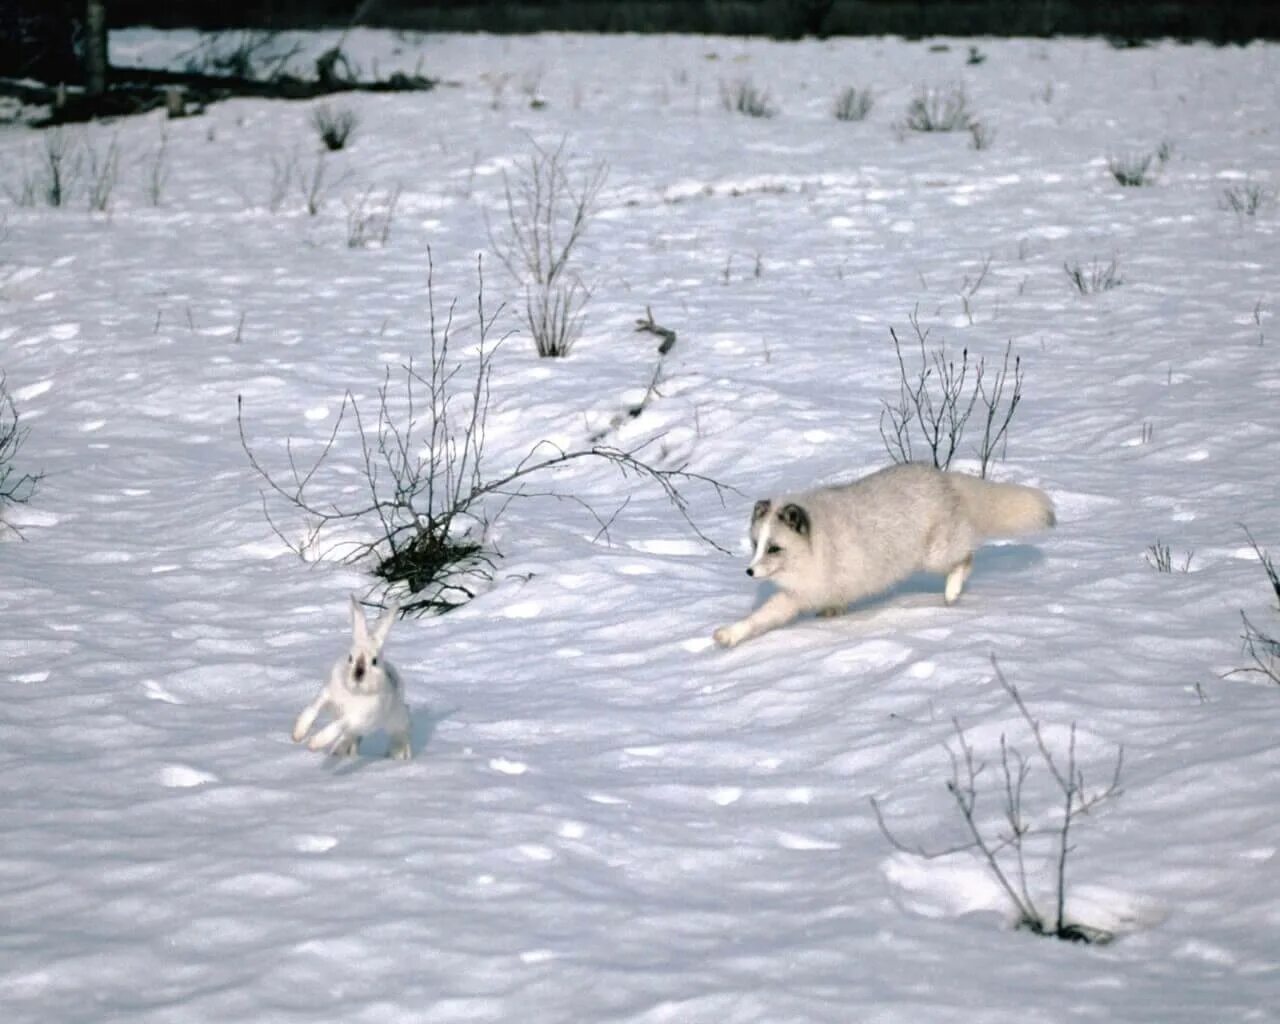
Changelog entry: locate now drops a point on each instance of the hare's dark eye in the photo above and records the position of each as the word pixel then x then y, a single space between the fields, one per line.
pixel 373 661
pixel 348 659
pixel 773 549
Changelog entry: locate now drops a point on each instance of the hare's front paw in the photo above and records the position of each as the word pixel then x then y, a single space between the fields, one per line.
pixel 724 636
pixel 346 747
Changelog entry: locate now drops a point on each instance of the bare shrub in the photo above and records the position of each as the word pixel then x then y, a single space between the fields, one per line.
pixel 854 104
pixel 313 186
pixel 1244 200
pixel 1097 277
pixel 1262 647
pixel 157 168
pixel 937 396
pixel 334 125
pixel 1160 557
pixel 743 96
pixel 59 166
pixel 369 219
pixel 1007 841
pixel 548 211
pixel 102 172
pixel 16 488
pixel 938 109
pixel 1132 170
pixel 419 519
pixel 981 135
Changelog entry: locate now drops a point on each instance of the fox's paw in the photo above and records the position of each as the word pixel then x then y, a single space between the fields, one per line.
pixel 299 733
pixel 724 637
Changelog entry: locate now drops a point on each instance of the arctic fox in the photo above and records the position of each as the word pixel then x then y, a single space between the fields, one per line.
pixel 829 547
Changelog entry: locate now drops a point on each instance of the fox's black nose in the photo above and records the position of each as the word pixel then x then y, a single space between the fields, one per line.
pixel 750 571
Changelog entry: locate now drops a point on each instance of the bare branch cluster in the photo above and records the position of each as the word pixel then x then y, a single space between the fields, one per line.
pixel 334 125
pixel 854 104
pixel 15 488
pixel 1005 844
pixel 1097 277
pixel 547 212
pixel 1262 647
pixel 938 395
pixel 427 497
pixel 369 218
pixel 938 109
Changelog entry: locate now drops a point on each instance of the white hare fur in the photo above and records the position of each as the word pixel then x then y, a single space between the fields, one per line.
pixel 363 694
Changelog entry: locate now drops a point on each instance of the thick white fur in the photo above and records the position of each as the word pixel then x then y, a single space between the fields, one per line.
pixel 857 539
pixel 363 694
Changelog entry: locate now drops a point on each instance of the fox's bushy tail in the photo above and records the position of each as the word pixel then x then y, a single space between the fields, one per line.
pixel 1003 510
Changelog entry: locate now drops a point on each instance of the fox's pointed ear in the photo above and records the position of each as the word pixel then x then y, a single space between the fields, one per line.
pixel 359 628
pixel 796 518
pixel 385 621
pixel 761 510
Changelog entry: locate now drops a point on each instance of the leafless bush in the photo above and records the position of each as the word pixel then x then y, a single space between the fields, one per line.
pixel 934 109
pixel 157 168
pixel 937 396
pixel 1006 841
pixel 854 104
pixel 554 316
pixel 981 135
pixel 547 212
pixel 334 125
pixel 102 172
pixel 1132 170
pixel 1094 278
pixel 59 166
pixel 745 97
pixel 1262 647
pixel 369 219
pixel 427 497
pixel 16 488
pixel 1244 200
pixel 313 185
pixel 1160 557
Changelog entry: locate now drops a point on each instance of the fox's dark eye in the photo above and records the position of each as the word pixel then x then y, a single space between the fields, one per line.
pixel 348 659
pixel 373 661
pixel 773 549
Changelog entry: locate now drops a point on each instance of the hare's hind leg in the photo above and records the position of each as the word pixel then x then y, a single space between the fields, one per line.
pixel 956 578
pixel 399 730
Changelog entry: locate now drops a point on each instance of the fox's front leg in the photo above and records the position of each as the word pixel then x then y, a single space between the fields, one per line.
pixel 308 716
pixel 780 609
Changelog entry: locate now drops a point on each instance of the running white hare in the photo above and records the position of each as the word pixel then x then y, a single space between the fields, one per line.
pixel 364 693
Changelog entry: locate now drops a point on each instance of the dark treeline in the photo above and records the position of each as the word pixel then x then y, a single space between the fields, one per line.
pixel 1216 20
pixel 40 37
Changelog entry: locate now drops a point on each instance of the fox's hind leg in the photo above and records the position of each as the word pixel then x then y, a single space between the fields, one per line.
pixel 956 577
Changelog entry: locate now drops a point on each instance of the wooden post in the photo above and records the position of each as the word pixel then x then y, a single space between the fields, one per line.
pixel 95 47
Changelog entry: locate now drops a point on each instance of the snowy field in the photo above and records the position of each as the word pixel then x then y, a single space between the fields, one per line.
pixel 606 817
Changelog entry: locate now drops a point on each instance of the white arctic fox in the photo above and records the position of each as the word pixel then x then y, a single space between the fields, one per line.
pixel 363 693
pixel 829 547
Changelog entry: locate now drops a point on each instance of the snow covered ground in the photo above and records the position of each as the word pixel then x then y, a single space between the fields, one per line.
pixel 607 818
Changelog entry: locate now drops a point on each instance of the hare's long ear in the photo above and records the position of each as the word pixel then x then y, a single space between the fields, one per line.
pixel 359 628
pixel 385 621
